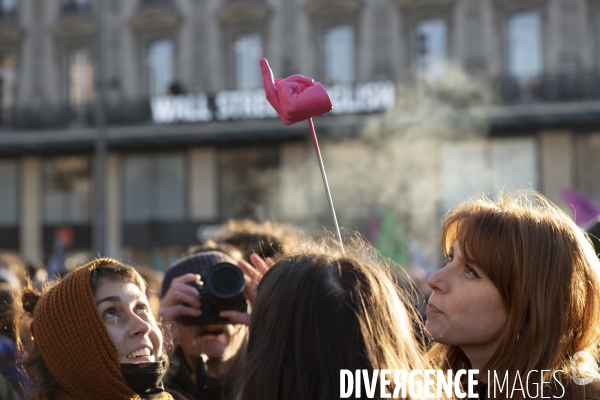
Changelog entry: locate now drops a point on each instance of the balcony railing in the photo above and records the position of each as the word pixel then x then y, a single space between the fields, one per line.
pixel 156 2
pixel 548 88
pixel 67 116
pixel 508 90
pixel 75 7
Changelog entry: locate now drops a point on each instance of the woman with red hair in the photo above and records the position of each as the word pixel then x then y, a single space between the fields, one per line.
pixel 519 297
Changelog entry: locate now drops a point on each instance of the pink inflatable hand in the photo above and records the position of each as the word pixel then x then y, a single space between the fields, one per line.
pixel 295 98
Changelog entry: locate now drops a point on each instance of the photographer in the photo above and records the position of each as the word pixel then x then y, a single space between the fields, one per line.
pixel 204 343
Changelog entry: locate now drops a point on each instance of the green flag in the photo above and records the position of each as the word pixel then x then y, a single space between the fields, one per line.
pixel 391 242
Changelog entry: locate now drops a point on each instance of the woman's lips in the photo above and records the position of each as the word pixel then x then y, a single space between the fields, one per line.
pixel 432 309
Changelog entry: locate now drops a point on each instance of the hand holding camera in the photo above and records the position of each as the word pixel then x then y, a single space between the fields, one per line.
pixel 255 273
pixel 181 299
pixel 222 289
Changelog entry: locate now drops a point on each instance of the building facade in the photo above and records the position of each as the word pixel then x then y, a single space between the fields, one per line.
pixel 434 101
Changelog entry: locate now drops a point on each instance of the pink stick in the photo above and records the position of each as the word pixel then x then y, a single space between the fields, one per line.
pixel 325 183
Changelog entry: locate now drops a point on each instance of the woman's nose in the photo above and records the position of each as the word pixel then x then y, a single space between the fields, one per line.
pixel 139 327
pixel 437 281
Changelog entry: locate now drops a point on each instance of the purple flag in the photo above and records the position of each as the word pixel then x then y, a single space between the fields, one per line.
pixel 583 208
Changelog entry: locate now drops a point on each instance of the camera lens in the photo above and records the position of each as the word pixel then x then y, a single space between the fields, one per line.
pixel 225 281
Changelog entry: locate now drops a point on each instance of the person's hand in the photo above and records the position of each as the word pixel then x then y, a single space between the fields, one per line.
pixel 181 299
pixel 295 98
pixel 254 273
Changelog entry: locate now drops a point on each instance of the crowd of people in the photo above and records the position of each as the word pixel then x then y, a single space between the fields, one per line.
pixel 263 312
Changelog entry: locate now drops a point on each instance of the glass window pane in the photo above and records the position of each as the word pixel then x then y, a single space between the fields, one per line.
pixel 247 50
pixel 8 5
pixel 154 187
pixel 465 171
pixel 430 48
pixel 524 45
pixel 8 87
pixel 338 55
pixel 249 182
pixel 8 192
pixel 514 164
pixel 137 178
pixel 170 187
pixel 597 37
pixel 160 67
pixel 67 190
pixel 81 77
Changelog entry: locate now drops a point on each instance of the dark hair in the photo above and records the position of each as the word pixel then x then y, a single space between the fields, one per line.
pixel 211 245
pixel 266 238
pixel 318 311
pixel 116 272
pixel 44 385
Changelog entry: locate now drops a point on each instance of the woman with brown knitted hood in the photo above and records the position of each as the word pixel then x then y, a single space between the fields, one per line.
pixel 94 337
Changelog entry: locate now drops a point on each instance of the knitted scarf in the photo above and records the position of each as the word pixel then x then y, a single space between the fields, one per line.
pixel 74 343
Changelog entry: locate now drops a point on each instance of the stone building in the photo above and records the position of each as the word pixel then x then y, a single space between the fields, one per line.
pixel 434 101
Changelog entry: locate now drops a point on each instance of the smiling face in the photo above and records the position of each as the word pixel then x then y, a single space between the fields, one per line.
pixel 465 308
pixel 129 321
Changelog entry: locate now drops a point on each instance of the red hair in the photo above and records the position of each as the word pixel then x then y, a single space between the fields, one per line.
pixel 546 271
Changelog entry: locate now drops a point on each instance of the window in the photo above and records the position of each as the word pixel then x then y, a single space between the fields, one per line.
pixel 597 38
pixel 154 187
pixel 81 82
pixel 67 190
pixel 74 6
pixel 430 48
pixel 160 71
pixel 7 8
pixel 247 50
pixel 338 55
pixel 8 193
pixel 524 46
pixel 8 85
pixel 249 182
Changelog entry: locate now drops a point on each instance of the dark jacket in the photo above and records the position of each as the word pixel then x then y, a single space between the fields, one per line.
pixel 7 391
pixel 183 384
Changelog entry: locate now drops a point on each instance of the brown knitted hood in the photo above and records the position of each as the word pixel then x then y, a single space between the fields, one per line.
pixel 74 343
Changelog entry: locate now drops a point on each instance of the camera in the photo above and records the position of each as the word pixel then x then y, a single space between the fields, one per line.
pixel 221 290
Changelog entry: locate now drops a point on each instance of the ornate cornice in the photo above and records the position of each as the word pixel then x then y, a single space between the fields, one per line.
pixel 155 19
pixel 73 26
pixel 332 7
pixel 243 12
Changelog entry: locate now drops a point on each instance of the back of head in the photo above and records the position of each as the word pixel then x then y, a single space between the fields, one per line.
pixel 317 312
pixel 7 323
pixel 266 238
pixel 545 270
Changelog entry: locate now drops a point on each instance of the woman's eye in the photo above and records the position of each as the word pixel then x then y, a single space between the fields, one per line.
pixel 449 258
pixel 141 308
pixel 110 314
pixel 471 271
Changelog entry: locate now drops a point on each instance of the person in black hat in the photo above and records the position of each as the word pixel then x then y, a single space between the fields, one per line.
pixel 204 352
